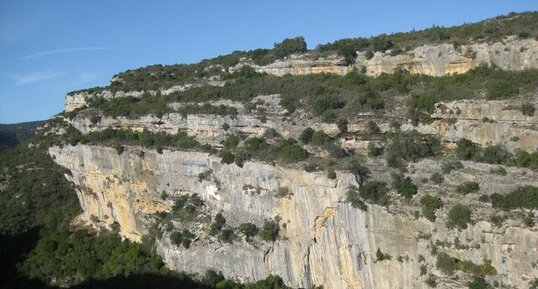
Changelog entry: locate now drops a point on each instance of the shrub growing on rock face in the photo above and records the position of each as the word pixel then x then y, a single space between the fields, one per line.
pixel 374 150
pixel 522 197
pixel 248 230
pixel 467 149
pixel 458 216
pixel 410 146
pixel 528 109
pixel 404 186
pixel 355 200
pixel 226 157
pixel 467 187
pixel 270 231
pixel 184 238
pixel 306 135
pixel 430 205
pixel 290 151
pixel 342 125
pixel 375 192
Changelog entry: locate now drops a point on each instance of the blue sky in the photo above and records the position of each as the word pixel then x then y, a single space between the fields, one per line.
pixel 48 48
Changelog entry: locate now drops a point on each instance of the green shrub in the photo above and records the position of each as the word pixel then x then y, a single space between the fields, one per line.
pixel 380 256
pixel 230 142
pixel 248 230
pixel 374 150
pixel 430 205
pixel 290 46
pixel 458 216
pixel 227 235
pixel 218 223
pixel 270 231
pixel 342 125
pixel 359 170
pixel 331 174
pixel 306 135
pixel 353 197
pixel 498 171
pixel 528 109
pixel 501 89
pixel 375 192
pixel 403 185
pixel 420 107
pixel 322 102
pixel 495 155
pixel 290 151
pixel 468 150
pixel 205 175
pixel 411 146
pixel 525 159
pixel 467 188
pixel 522 197
pixel 226 157
pixel 183 238
pixel 479 283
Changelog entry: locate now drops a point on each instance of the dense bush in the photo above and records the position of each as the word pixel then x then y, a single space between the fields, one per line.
pixel 71 257
pixel 248 230
pixel 359 170
pixel 501 88
pixel 375 192
pixel 290 151
pixel 269 231
pixel 528 109
pixel 306 135
pixel 380 256
pixel 522 197
pixel 448 265
pixel 342 125
pixel 410 146
pixel 353 197
pixel 467 188
pixel 496 155
pixel 479 283
pixel 420 107
pixel 183 238
pixel 403 185
pixel 451 165
pixel 430 205
pixel 218 223
pixel 374 150
pixel 290 46
pixel 458 216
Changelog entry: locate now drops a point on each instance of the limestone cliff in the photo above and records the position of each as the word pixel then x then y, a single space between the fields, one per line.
pixel 324 240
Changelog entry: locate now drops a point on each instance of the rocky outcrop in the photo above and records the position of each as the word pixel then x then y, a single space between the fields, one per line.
pixel 323 240
pixel 437 60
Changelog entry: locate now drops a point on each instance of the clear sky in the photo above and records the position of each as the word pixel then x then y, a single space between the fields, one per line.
pixel 48 48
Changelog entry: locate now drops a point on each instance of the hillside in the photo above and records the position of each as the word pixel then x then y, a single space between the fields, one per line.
pixel 13 134
pixel 399 161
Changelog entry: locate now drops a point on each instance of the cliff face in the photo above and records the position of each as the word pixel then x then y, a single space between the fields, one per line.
pixel 324 240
